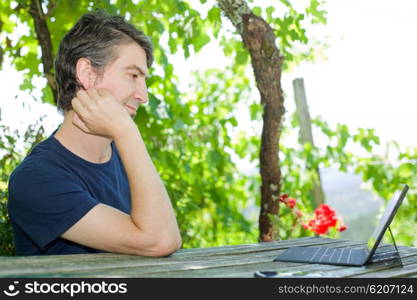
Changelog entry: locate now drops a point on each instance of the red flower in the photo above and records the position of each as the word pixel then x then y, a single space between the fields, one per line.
pixel 324 218
pixel 342 228
pixel 283 198
pixel 326 215
pixel 291 202
pixel 318 226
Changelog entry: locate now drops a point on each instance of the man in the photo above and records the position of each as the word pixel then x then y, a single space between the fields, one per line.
pixel 91 186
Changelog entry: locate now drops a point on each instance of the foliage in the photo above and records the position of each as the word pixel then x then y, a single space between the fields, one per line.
pixel 208 193
pixel 385 173
pixel 289 23
pixel 10 157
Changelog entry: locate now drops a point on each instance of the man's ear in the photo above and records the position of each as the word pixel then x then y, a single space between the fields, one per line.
pixel 85 73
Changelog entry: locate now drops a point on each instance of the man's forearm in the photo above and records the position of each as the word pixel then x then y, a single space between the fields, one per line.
pixel 152 211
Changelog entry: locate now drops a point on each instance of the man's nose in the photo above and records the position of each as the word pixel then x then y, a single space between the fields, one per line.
pixel 143 99
pixel 141 93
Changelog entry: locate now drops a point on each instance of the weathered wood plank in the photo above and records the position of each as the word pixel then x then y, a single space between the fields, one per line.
pixel 67 263
pixel 229 261
pixel 406 271
pixel 247 270
pixel 409 261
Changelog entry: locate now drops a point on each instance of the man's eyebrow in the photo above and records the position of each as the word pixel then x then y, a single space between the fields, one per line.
pixel 136 68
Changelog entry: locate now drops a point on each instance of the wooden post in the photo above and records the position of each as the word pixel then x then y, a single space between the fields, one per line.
pixel 306 135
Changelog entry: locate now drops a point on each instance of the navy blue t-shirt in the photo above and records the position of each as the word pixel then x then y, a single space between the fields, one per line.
pixel 53 188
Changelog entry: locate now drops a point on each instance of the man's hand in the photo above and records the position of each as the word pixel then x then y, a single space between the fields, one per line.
pixel 98 112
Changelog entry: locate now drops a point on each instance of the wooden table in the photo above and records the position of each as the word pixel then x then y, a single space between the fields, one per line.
pixel 229 261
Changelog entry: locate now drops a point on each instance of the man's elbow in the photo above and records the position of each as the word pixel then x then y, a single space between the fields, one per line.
pixel 167 246
pixel 167 249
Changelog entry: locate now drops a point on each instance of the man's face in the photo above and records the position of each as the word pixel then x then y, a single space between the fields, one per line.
pixel 125 77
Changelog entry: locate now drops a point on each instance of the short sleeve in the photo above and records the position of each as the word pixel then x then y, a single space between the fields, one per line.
pixel 45 205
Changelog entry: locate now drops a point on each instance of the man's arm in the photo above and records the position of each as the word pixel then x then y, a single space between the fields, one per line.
pixel 151 207
pixel 151 229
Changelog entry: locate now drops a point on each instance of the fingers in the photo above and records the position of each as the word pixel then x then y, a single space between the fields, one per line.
pixel 78 106
pixel 87 100
pixel 103 92
pixel 76 120
pixel 79 112
pixel 93 94
pixel 97 112
pixel 84 98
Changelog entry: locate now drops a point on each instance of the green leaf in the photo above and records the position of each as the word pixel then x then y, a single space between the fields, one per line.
pixel 255 111
pixel 173 44
pixel 153 101
pixel 269 10
pixel 26 84
pixel 200 41
pixel 47 95
pixel 233 121
pixel 242 57
pixel 157 26
pixel 214 158
pixel 406 170
pixel 181 6
pixel 214 14
pixel 7 25
pixel 344 135
pixel 319 15
pixel 257 11
pixel 286 3
pixel 186 51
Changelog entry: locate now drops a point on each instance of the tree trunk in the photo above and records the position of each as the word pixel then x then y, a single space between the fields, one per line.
pixel 44 38
pixel 258 37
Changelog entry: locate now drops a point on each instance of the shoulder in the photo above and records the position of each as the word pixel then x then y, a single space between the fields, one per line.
pixel 43 171
pixel 41 163
pixel 43 179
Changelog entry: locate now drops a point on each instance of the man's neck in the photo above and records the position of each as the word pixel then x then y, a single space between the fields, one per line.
pixel 95 149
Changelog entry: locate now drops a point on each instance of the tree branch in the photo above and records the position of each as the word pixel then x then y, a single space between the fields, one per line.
pixel 51 9
pixel 234 11
pixel 44 38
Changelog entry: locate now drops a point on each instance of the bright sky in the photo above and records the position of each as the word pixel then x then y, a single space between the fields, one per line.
pixel 367 81
pixel 369 78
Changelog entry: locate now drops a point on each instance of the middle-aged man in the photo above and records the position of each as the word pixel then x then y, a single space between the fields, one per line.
pixel 91 186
